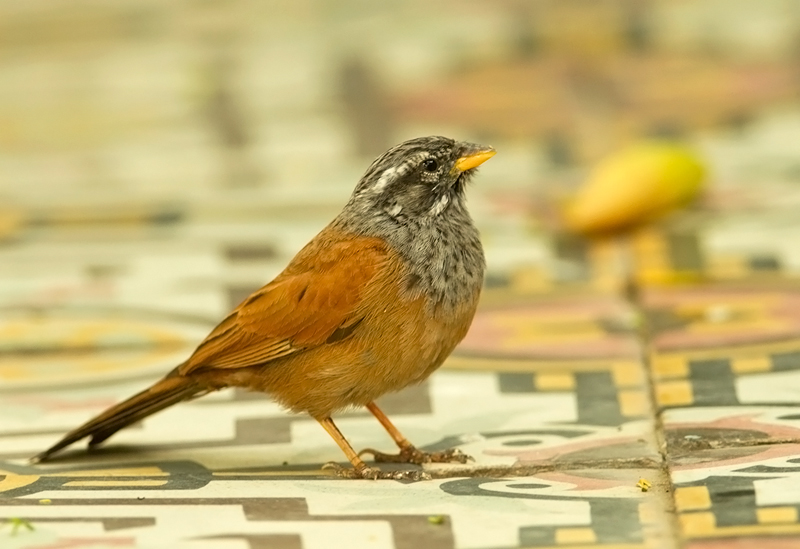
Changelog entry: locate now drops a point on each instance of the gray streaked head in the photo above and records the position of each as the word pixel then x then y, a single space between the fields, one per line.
pixel 420 177
pixel 413 197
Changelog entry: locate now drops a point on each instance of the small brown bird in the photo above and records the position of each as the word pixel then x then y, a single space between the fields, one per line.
pixel 374 303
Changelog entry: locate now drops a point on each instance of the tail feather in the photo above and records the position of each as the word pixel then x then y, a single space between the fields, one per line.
pixel 170 390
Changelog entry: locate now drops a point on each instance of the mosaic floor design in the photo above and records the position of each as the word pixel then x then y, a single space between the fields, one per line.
pixel 604 408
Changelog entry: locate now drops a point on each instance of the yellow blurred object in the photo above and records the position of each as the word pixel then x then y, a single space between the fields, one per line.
pixel 635 186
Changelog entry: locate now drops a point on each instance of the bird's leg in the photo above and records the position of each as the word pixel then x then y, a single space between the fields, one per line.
pixel 408 452
pixel 360 469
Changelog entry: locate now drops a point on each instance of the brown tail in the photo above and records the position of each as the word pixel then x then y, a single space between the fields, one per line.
pixel 170 390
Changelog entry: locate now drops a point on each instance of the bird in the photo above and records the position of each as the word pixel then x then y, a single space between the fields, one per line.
pixel 373 303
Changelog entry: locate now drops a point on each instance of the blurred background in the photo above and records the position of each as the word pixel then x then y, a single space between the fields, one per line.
pixel 172 156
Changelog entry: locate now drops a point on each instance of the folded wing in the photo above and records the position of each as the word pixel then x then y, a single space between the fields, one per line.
pixel 316 300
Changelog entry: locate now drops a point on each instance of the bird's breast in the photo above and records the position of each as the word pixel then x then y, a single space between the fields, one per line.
pixel 403 335
pixel 449 265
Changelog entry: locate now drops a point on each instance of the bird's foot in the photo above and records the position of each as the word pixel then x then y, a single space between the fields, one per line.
pixel 372 473
pixel 411 454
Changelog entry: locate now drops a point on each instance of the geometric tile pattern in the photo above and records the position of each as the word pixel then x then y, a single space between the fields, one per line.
pixel 724 377
pixel 550 393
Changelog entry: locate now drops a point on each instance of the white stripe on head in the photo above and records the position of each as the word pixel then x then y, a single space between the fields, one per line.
pixel 440 205
pixel 386 177
pixel 391 174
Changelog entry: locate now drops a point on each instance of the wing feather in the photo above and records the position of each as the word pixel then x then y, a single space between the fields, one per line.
pixel 318 295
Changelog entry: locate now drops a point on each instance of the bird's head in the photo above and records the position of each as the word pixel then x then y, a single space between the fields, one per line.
pixel 421 177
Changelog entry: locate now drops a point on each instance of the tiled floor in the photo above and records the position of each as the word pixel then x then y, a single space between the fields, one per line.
pixel 600 413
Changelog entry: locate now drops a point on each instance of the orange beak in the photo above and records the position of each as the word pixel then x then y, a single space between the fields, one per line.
pixel 474 158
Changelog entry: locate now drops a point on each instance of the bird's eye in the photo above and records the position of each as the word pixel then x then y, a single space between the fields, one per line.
pixel 430 165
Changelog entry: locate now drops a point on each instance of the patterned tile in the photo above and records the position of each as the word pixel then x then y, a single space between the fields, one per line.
pixel 589 507
pixel 725 366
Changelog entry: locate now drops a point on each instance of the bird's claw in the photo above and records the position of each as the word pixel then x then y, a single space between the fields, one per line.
pixel 372 473
pixel 451 455
pixel 411 454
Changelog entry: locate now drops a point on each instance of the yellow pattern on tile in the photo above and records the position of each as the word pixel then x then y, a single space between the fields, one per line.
pixel 11 481
pixel 772 529
pixel 555 382
pixel 750 364
pixel 692 498
pixel 575 330
pixel 771 515
pixel 632 402
pixel 695 525
pixel 571 536
pixel 674 393
pixel 669 366
pixel 627 374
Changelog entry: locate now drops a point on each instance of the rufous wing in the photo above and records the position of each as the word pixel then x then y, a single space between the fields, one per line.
pixel 316 300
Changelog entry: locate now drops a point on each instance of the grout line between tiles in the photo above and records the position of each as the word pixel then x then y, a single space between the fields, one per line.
pixel 494 471
pixel 633 296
